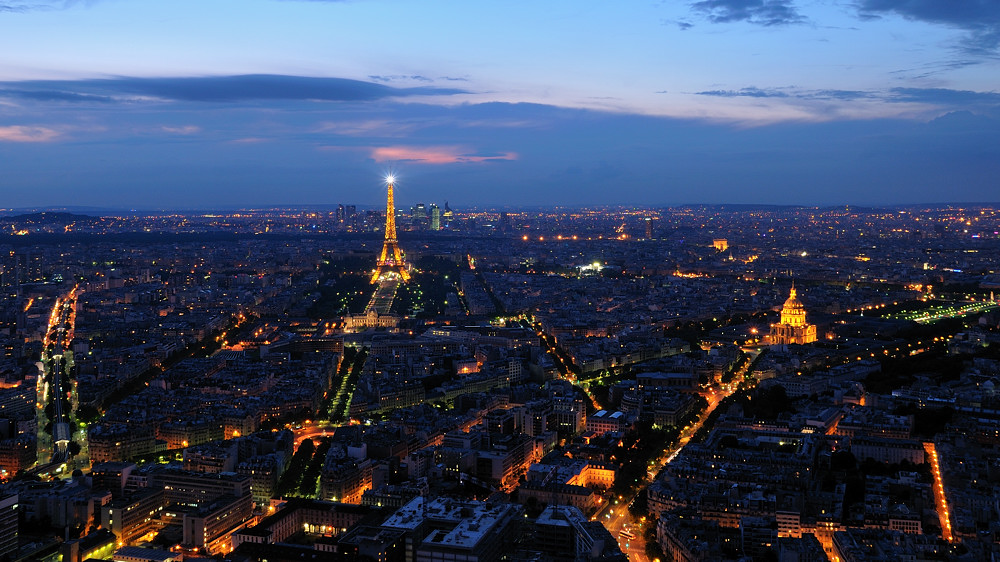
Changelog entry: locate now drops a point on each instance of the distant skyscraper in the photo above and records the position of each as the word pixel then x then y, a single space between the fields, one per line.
pixel 649 228
pixel 340 214
pixel 351 217
pixel 448 215
pixel 505 224
pixel 418 216
pixel 435 217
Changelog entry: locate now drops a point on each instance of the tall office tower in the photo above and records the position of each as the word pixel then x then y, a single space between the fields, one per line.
pixel 419 212
pixel 649 228
pixel 391 258
pixel 340 214
pixel 435 217
pixel 505 224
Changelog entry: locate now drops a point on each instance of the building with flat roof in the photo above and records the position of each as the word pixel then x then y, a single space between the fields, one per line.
pixel 181 486
pixel 131 518
pixel 565 534
pixel 447 529
pixel 142 554
pixel 604 422
pixel 97 545
pixel 314 517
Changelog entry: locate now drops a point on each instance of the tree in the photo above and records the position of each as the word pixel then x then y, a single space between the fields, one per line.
pixel 768 403
pixel 87 413
pixel 640 505
pixel 653 550
pixel 290 479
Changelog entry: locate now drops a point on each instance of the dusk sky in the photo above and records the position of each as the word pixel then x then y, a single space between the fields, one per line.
pixel 182 104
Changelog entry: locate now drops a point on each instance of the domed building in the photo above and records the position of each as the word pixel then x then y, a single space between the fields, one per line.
pixel 793 327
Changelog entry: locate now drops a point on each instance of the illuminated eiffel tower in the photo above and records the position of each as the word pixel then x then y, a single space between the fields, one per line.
pixel 391 259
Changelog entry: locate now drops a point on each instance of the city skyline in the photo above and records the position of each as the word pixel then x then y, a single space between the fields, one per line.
pixel 280 103
pixel 619 385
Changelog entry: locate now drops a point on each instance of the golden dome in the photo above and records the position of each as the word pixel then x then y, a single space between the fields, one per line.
pixel 793 327
pixel 793 313
pixel 793 302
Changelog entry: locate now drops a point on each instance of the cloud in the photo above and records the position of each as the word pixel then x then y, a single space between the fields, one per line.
pixel 21 133
pixel 843 95
pixel 434 155
pixel 215 89
pixel 681 25
pixel 371 127
pixel 184 130
pixel 759 12
pixel 502 123
pixel 944 96
pixel 31 5
pixel 55 95
pixel 833 104
pixel 792 92
pixel 18 7
pixel 398 77
pixel 932 68
pixel 853 160
pixel 750 92
pixel 979 18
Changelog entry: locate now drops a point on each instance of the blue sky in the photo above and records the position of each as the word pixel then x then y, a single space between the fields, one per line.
pixel 233 103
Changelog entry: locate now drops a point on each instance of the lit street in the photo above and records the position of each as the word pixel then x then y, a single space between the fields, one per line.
pixel 615 516
pixel 55 433
pixel 940 498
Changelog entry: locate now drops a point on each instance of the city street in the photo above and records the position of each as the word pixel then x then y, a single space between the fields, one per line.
pixel 58 361
pixel 615 516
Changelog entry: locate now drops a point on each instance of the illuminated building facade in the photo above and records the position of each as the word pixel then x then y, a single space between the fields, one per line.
pixel 8 525
pixel 132 518
pixel 793 327
pixel 391 258
pixel 211 526
pixel 314 518
pixel 435 217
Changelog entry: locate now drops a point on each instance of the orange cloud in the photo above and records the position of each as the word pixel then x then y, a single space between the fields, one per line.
pixel 20 133
pixel 434 155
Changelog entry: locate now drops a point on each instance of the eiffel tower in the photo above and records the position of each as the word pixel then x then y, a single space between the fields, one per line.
pixel 391 259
